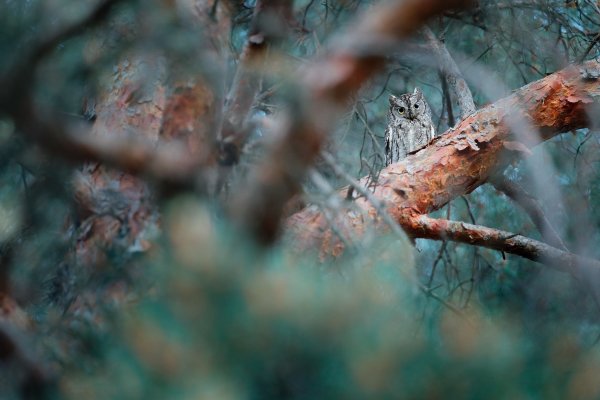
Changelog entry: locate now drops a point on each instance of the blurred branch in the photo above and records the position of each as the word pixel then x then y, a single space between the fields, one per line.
pixel 327 84
pixel 447 101
pixel 16 82
pixel 533 208
pixel 167 163
pixel 593 42
pixel 75 143
pixel 268 23
pixel 452 73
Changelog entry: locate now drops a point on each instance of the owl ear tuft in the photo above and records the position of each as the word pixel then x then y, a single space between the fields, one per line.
pixel 418 92
pixel 393 100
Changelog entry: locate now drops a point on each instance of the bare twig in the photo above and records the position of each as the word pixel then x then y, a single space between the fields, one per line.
pixel 452 73
pixel 383 214
pixel 590 47
pixel 447 101
pixel 429 292
pixel 439 257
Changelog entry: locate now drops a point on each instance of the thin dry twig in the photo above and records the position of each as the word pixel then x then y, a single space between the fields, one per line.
pixel 452 73
pixel 383 214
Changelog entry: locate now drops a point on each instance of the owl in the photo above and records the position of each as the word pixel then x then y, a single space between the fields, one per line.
pixel 409 126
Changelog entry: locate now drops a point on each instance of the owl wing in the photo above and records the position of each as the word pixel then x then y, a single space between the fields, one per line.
pixel 388 146
pixel 396 143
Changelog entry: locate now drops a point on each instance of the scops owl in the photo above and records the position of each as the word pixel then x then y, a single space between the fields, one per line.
pixel 409 126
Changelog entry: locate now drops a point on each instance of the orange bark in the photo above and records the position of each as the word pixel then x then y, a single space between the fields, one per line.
pixel 141 103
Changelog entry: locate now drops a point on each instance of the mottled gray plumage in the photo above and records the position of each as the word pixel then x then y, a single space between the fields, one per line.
pixel 409 126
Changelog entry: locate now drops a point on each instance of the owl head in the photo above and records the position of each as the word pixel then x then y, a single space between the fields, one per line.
pixel 408 106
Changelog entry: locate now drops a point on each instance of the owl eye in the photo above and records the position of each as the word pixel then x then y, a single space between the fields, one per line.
pixel 416 106
pixel 401 110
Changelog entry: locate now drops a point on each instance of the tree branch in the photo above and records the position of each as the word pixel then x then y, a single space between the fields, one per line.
pixel 168 163
pixel 364 192
pixel 447 100
pixel 452 73
pixel 442 229
pixel 268 23
pixel 16 82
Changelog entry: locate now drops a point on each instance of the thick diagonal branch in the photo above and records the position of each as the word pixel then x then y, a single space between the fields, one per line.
pixel 464 158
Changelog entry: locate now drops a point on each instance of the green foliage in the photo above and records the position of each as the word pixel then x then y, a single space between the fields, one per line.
pixel 248 324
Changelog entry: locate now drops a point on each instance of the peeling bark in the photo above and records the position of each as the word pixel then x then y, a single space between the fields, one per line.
pixel 173 112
